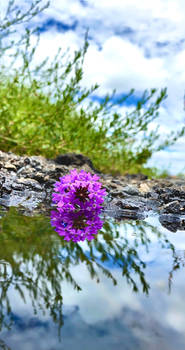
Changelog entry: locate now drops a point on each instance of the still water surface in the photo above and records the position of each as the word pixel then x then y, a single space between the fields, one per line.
pixel 123 290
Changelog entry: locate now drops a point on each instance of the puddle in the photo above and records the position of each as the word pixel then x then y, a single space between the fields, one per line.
pixel 123 290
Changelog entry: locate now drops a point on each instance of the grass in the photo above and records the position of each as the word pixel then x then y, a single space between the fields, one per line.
pixel 45 111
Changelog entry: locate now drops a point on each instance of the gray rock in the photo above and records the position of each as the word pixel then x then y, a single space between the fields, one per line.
pixel 131 190
pixel 127 208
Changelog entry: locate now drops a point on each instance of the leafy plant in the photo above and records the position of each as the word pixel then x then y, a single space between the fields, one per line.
pixel 45 110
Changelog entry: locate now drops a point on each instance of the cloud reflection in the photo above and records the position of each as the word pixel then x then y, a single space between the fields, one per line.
pixel 45 269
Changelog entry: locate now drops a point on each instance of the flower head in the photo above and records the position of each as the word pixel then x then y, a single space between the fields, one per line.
pixel 78 189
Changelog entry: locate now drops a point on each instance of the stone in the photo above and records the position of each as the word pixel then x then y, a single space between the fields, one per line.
pixel 10 167
pixel 144 188
pixel 173 207
pixel 131 190
pixel 172 222
pixel 73 159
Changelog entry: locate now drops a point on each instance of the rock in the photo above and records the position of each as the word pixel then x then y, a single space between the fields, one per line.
pixel 30 183
pixel 73 159
pixel 126 204
pixel 173 207
pixel 118 182
pixel 172 222
pixel 144 188
pixel 138 177
pixel 167 194
pixel 127 214
pixel 120 211
pixel 117 194
pixel 131 190
pixel 152 195
pixel 126 209
pixel 10 167
pixel 38 177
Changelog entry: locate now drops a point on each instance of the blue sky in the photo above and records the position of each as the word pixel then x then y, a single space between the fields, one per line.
pixel 133 44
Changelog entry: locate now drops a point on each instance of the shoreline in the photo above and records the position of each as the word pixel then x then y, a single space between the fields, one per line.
pixel 26 182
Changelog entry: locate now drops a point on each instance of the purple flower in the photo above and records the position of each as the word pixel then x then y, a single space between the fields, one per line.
pixel 78 190
pixel 78 198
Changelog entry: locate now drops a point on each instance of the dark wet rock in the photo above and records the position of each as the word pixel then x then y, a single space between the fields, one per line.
pixel 169 194
pixel 73 159
pixel 172 222
pixel 175 207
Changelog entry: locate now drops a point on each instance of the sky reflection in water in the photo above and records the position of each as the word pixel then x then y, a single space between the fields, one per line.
pixel 125 289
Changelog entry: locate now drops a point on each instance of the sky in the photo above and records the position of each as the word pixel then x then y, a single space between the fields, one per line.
pixel 132 44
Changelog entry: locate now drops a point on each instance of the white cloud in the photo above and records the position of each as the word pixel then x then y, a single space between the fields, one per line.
pixel 122 65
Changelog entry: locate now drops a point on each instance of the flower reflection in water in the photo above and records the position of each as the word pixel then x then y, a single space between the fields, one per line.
pixel 77 226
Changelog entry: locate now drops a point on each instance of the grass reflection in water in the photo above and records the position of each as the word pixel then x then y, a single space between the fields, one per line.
pixel 38 260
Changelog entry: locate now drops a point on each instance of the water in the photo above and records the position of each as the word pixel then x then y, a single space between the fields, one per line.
pixel 124 290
